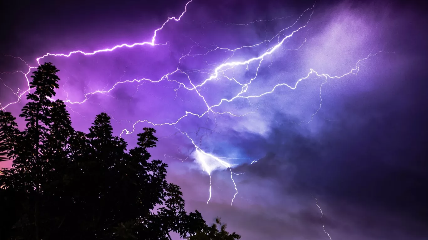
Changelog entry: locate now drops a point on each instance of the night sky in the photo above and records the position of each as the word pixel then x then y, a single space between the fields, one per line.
pixel 320 133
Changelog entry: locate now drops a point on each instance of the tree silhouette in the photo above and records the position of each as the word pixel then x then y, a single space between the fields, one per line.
pixel 65 184
pixel 213 233
pixel 8 134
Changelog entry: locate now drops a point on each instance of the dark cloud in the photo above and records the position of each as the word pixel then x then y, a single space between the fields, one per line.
pixel 369 163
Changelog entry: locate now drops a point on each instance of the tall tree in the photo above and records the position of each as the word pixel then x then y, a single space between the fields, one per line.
pixel 28 148
pixel 29 157
pixel 30 160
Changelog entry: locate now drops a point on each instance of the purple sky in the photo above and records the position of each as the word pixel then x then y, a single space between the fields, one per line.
pixel 349 141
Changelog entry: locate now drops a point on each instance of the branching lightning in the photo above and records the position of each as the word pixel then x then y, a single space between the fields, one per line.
pixel 208 161
pixel 204 159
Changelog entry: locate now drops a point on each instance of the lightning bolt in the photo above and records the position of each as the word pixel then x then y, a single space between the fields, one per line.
pixel 208 161
pixel 322 215
pixel 202 158
pixel 151 43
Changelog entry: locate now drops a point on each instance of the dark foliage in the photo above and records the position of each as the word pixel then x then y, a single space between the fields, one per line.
pixel 214 233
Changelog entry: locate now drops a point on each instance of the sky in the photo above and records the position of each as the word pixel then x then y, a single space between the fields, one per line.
pixel 295 120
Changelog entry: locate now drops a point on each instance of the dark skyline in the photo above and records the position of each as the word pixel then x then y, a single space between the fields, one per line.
pixel 362 157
